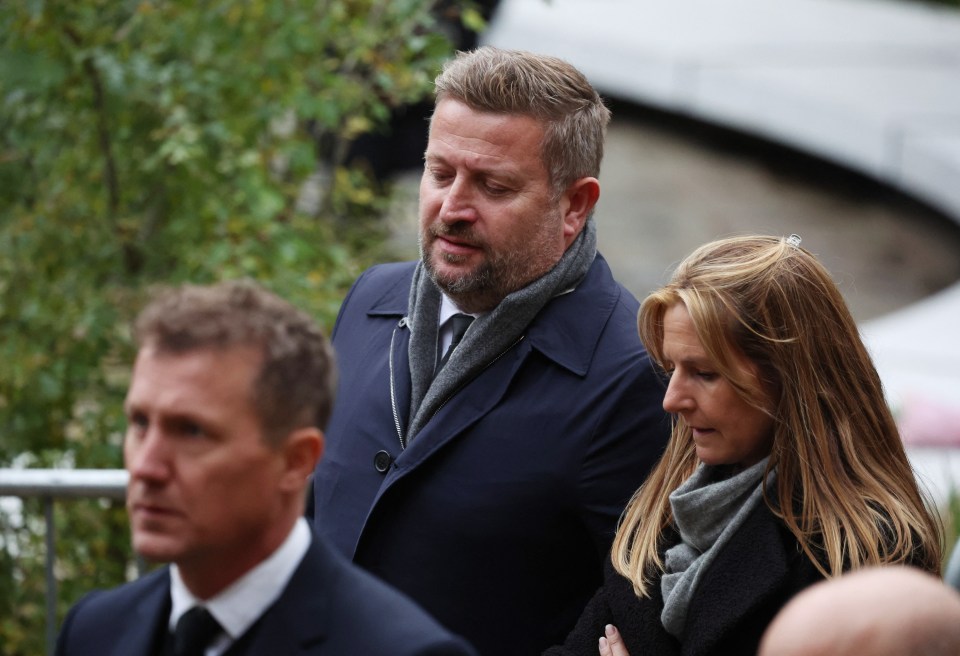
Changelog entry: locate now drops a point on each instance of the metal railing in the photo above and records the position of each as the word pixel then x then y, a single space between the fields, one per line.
pixel 51 484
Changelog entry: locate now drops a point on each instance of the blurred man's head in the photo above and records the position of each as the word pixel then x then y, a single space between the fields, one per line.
pixel 881 611
pixel 231 389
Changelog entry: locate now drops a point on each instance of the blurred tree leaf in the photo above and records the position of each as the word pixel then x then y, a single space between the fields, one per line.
pixel 147 142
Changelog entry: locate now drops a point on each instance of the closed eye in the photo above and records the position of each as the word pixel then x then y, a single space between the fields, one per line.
pixel 496 190
pixel 440 178
pixel 438 172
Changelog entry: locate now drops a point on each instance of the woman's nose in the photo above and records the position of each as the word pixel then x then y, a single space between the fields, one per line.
pixel 675 399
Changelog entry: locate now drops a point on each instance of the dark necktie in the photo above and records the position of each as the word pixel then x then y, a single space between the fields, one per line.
pixel 195 631
pixel 460 323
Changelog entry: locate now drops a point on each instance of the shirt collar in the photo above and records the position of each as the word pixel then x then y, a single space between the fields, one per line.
pixel 448 308
pixel 239 605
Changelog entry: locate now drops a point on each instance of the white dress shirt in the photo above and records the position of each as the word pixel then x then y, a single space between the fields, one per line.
pixel 239 605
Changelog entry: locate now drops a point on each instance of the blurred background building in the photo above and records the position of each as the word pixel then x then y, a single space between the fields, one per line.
pixel 867 95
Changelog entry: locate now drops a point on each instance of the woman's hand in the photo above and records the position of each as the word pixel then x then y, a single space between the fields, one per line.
pixel 611 644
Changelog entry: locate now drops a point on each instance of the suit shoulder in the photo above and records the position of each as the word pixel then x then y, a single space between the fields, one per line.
pixel 381 289
pixel 608 298
pixel 91 624
pixel 620 333
pixel 383 285
pixel 386 275
pixel 119 599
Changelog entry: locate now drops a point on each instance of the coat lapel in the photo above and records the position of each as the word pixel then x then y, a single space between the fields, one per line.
pixel 569 328
pixel 468 405
pixel 151 615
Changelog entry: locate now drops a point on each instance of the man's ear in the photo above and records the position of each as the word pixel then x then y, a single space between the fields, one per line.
pixel 576 204
pixel 301 453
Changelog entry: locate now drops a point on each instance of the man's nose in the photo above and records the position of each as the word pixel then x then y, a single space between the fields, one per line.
pixel 147 455
pixel 458 204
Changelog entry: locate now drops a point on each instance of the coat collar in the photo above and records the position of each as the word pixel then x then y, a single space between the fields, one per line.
pixel 395 299
pixel 566 331
pixel 569 328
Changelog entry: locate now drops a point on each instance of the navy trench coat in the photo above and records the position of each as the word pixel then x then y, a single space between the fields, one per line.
pixel 497 516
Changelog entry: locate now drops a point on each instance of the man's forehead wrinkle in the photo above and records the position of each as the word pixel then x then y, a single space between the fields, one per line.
pixel 475 148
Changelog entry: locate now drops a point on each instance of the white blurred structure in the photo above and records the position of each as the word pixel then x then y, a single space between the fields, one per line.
pixel 873 85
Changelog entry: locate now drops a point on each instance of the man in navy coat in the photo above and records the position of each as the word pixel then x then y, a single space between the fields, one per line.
pixel 486 480
pixel 230 390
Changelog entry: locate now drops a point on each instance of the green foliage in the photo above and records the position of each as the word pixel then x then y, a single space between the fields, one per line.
pixel 150 141
pixel 155 142
pixel 950 515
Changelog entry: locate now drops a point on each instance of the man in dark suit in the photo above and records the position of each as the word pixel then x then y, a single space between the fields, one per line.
pixel 487 485
pixel 230 391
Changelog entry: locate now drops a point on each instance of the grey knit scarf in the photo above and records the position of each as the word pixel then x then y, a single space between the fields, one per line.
pixel 489 336
pixel 707 511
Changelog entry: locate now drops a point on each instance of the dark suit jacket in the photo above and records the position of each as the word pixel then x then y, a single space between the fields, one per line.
pixel 497 516
pixel 758 571
pixel 329 608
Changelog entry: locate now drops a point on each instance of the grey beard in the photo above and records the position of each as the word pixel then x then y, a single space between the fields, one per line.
pixel 472 283
pixel 483 289
pixel 478 291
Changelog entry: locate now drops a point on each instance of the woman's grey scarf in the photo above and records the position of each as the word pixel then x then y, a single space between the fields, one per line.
pixel 488 336
pixel 706 512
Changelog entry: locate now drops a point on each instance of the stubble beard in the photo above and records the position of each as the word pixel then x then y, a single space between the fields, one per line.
pixel 496 276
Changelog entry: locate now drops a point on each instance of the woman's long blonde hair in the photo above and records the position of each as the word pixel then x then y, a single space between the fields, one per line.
pixel 844 485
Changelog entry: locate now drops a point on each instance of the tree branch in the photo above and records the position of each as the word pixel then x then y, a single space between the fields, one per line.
pixel 103 127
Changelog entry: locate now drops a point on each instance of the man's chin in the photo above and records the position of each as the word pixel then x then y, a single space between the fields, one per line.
pixel 454 276
pixel 470 286
pixel 156 548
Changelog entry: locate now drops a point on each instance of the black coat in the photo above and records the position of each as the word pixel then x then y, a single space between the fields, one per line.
pixel 328 608
pixel 751 579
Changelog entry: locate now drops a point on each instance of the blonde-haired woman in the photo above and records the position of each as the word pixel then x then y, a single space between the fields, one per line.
pixel 784 466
